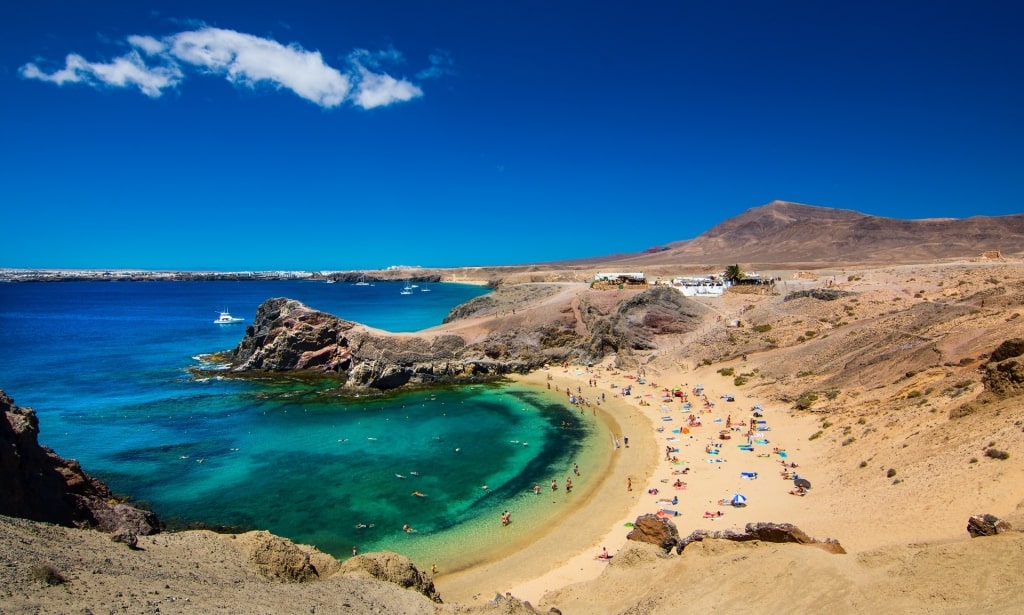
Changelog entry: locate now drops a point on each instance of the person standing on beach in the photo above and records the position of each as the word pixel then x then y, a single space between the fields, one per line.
pixel 629 484
pixel 554 485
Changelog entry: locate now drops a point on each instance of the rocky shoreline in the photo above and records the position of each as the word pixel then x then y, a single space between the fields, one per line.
pixel 479 340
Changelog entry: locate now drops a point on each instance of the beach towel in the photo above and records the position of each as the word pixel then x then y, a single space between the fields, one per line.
pixel 764 428
pixel 760 441
pixel 746 447
pixel 749 475
pixel 666 418
pixel 783 454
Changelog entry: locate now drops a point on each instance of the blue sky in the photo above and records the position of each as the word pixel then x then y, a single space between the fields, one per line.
pixel 342 135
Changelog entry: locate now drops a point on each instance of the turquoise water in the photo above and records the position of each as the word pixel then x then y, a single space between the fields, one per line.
pixel 105 365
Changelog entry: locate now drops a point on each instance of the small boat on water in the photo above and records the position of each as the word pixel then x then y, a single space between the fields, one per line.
pixel 226 318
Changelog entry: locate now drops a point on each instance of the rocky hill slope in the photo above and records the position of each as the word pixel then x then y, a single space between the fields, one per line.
pixel 783 234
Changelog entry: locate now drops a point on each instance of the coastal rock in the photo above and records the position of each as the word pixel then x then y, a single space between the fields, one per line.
pixel 987 525
pixel 287 336
pixel 278 558
pixel 37 484
pixel 656 531
pixel 765 532
pixel 392 568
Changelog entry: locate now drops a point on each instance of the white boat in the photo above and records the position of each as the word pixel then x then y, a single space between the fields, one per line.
pixel 362 281
pixel 226 318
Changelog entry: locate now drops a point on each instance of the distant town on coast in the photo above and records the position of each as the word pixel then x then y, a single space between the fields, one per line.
pixel 142 275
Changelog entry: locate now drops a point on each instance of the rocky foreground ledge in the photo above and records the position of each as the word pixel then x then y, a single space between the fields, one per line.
pixel 37 484
pixel 288 336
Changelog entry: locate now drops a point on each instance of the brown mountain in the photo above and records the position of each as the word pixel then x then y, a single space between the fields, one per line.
pixel 783 233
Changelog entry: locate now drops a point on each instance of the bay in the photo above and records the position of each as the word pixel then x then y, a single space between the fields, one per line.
pixel 105 364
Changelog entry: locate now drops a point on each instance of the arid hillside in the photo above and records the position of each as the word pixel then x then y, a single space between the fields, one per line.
pixel 790 235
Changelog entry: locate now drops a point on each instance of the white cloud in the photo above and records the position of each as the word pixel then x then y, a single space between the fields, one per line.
pixel 245 60
pixel 147 43
pixel 378 90
pixel 248 60
pixel 127 71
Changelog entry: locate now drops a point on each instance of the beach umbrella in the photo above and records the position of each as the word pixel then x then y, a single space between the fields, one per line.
pixel 738 499
pixel 802 482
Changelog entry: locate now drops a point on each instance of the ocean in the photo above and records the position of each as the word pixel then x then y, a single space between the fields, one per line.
pixel 106 367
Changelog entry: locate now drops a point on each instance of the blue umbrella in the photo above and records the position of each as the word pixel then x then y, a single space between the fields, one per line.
pixel 738 499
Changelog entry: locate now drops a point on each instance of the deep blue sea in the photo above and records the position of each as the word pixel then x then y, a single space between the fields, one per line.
pixel 105 366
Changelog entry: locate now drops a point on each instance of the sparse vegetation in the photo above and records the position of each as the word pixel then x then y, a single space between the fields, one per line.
pixel 993 453
pixel 762 328
pixel 863 464
pixel 726 371
pixel 849 440
pixel 739 380
pixel 805 401
pixel 890 473
pixel 46 574
pixel 914 394
pixel 816 435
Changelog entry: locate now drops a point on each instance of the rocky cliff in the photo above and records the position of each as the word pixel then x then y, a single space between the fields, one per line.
pixel 37 484
pixel 287 336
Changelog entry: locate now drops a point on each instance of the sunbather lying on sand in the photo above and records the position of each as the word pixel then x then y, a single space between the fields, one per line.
pixel 710 515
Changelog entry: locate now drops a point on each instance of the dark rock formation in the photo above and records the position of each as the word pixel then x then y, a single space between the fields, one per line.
pixel 821 294
pixel 987 525
pixel 1004 373
pixel 1002 377
pixel 393 568
pixel 656 531
pixel 37 484
pixel 289 336
pixel 765 532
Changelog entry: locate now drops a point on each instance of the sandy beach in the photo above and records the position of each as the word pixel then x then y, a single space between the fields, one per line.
pixel 566 552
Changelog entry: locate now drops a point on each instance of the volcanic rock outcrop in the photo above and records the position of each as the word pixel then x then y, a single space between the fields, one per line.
pixel 663 533
pixel 1002 377
pixel 287 336
pixel 37 484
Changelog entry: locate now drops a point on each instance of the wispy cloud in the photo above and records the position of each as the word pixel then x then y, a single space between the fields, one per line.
pixel 243 59
pixel 441 64
pixel 127 71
